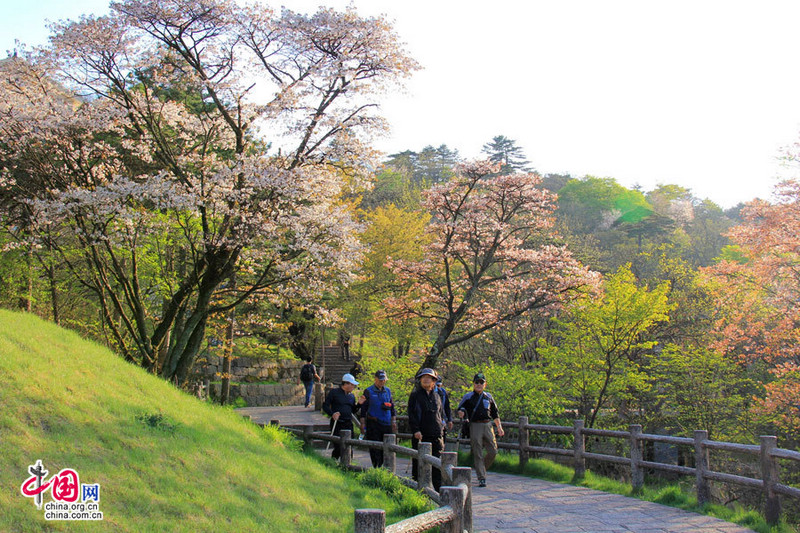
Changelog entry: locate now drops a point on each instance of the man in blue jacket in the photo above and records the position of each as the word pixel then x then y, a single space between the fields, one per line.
pixel 480 410
pixel 378 416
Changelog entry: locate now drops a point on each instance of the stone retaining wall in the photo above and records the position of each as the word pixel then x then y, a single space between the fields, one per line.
pixel 256 395
pixel 247 371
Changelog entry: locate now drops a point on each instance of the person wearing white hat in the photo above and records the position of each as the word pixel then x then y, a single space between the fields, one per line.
pixel 340 404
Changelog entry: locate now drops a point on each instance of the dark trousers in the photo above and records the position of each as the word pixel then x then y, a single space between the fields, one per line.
pixel 342 425
pixel 437 445
pixel 376 431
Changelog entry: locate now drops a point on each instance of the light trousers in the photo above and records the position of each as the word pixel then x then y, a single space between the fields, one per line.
pixel 484 446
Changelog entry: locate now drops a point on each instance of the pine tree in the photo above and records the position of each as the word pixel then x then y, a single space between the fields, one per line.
pixel 503 150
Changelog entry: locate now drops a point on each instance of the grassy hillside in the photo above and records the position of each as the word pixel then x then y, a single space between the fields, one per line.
pixel 164 461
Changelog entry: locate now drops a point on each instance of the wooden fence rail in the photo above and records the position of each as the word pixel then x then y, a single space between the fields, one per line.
pixel 767 452
pixel 454 497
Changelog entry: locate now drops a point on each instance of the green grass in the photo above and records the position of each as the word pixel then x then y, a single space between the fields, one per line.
pixel 672 495
pixel 164 460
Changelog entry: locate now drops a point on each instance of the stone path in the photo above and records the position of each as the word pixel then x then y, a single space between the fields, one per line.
pixel 524 505
pixel 516 504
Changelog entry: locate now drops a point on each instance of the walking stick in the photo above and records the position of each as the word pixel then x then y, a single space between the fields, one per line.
pixel 332 430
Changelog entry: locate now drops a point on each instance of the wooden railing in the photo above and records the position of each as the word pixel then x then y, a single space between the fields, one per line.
pixel 455 495
pixel 767 452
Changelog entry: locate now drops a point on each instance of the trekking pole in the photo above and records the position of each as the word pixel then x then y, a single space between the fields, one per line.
pixel 332 430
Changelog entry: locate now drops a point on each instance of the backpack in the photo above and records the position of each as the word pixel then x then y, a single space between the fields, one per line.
pixel 307 372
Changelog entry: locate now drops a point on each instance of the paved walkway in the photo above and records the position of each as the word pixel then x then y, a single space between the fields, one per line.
pixel 523 505
pixel 516 504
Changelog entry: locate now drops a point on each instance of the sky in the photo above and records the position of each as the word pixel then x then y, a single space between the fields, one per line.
pixel 703 94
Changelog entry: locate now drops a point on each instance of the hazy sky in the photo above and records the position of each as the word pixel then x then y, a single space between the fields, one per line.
pixel 705 94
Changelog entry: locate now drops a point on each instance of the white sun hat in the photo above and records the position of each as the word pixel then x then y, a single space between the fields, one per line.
pixel 348 378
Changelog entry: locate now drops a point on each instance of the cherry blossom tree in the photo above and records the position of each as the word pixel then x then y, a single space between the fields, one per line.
pixel 494 257
pixel 174 146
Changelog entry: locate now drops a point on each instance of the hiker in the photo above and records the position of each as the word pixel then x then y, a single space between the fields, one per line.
pixel 448 413
pixel 480 411
pixel 344 343
pixel 308 375
pixel 340 404
pixel 356 369
pixel 378 416
pixel 426 419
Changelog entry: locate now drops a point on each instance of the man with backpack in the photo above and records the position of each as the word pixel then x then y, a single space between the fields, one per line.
pixel 480 411
pixel 308 374
pixel 378 416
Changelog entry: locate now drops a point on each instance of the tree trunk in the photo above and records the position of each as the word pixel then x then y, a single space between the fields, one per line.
pixel 187 340
pixel 26 302
pixel 51 275
pixel 225 389
pixel 438 347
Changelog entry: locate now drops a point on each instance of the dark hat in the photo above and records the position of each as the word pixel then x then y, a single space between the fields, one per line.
pixel 426 372
pixel 479 377
pixel 380 374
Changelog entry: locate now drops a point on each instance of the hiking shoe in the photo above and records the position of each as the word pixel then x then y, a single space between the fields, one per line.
pixel 481 482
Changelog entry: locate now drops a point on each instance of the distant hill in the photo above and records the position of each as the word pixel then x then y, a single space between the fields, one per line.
pixel 163 460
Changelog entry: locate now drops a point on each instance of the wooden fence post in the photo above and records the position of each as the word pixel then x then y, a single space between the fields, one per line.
pixel 524 440
pixel 423 466
pixel 701 466
pixel 389 456
pixel 769 474
pixel 307 431
pixel 454 497
pixel 579 448
pixel 370 521
pixel 319 396
pixel 637 472
pixel 449 459
pixel 345 449
pixel 274 422
pixel 462 475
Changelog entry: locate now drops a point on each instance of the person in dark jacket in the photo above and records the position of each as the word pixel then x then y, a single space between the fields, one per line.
pixel 426 418
pixel 480 410
pixel 378 416
pixel 341 405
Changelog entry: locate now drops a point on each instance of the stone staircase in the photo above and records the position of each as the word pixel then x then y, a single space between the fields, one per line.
pixel 330 359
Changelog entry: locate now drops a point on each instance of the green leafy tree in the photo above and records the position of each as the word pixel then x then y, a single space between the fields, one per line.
pixel 518 388
pixel 595 203
pixel 703 389
pixel 596 357
pixel 390 232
